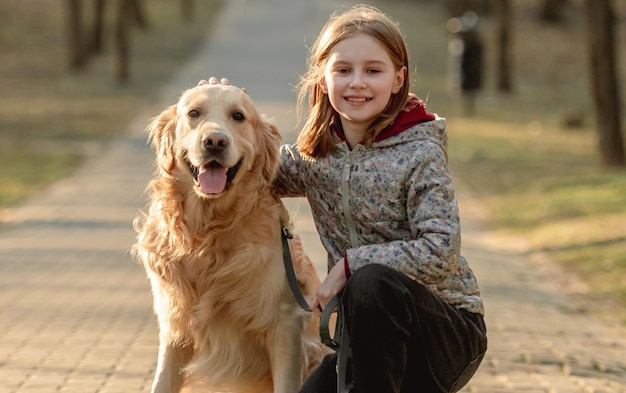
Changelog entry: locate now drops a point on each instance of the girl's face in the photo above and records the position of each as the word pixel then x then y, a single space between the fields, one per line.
pixel 359 79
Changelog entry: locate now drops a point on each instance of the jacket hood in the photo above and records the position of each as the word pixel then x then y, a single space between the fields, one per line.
pixel 414 113
pixel 414 123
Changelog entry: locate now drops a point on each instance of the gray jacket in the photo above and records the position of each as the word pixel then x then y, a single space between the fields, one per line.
pixel 392 203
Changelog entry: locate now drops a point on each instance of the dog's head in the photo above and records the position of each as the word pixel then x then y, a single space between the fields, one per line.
pixel 213 138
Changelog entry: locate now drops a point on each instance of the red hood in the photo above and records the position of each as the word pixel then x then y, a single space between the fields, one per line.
pixel 414 113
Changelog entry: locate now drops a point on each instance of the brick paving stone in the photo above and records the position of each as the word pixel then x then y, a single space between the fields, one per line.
pixel 75 309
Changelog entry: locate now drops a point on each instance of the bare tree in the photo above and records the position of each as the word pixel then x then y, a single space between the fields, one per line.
pixel 604 80
pixel 138 14
pixel 186 10
pixel 97 29
pixel 76 49
pixel 121 48
pixel 552 11
pixel 502 10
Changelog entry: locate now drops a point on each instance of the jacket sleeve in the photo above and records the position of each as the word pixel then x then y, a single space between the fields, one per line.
pixel 431 252
pixel 289 176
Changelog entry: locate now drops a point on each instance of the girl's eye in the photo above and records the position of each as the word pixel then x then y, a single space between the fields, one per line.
pixel 194 113
pixel 373 71
pixel 238 116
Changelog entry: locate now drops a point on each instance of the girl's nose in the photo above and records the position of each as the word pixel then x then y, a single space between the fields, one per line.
pixel 357 81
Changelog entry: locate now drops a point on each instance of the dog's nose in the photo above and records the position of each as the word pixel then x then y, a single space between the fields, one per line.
pixel 215 141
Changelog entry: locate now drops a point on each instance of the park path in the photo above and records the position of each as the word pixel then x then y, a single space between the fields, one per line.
pixel 75 309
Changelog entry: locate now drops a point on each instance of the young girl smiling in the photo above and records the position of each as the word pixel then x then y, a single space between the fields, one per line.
pixel 372 163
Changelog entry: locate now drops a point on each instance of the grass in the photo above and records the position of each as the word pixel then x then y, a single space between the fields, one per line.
pixel 28 170
pixel 540 180
pixel 550 191
pixel 51 118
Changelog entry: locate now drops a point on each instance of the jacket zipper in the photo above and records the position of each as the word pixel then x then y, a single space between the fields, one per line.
pixel 345 195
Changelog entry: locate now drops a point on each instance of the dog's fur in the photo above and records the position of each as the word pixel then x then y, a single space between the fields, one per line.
pixel 212 251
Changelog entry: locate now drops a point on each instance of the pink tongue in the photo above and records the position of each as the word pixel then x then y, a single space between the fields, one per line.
pixel 212 179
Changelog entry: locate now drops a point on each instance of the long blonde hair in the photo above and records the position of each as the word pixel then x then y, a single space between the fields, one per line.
pixel 316 137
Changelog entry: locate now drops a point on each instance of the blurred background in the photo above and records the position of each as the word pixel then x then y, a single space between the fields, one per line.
pixel 533 91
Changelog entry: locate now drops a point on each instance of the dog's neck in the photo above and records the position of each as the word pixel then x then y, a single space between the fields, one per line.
pixel 202 214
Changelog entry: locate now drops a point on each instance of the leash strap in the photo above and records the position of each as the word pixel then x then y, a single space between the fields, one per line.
pixel 291 274
pixel 344 354
pixel 331 342
pixel 340 342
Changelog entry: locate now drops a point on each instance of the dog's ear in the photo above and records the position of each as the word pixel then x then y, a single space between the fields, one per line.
pixel 161 136
pixel 269 144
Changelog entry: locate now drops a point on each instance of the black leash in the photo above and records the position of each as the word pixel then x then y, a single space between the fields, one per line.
pixel 331 342
pixel 291 274
pixel 340 342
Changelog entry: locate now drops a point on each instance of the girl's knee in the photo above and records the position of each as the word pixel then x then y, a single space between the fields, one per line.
pixel 376 283
pixel 367 274
pixel 372 283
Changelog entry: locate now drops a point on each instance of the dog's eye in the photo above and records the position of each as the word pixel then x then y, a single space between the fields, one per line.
pixel 194 113
pixel 238 116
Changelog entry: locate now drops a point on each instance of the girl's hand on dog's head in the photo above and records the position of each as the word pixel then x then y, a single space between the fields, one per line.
pixel 214 81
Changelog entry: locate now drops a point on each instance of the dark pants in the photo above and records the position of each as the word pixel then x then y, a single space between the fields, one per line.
pixel 403 338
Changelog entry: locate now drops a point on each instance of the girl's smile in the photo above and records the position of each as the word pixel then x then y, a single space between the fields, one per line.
pixel 358 99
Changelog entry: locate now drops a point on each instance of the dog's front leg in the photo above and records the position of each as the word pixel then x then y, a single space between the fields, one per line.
pixel 168 377
pixel 288 358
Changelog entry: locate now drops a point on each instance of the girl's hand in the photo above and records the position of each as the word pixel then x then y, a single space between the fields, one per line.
pixel 214 81
pixel 333 284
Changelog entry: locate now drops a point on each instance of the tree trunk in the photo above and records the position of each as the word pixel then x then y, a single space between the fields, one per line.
pixel 604 81
pixel 186 10
pixel 552 11
pixel 76 50
pixel 138 14
pixel 503 17
pixel 98 27
pixel 120 70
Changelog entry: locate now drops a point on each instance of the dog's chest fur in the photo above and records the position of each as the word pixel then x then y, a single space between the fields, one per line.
pixel 219 278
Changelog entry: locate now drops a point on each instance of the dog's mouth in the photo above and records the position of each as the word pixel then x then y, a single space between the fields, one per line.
pixel 213 178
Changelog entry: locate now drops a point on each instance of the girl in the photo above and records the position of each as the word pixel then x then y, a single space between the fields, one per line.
pixel 372 163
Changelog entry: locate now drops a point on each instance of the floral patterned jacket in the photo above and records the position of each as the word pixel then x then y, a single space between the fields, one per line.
pixel 391 203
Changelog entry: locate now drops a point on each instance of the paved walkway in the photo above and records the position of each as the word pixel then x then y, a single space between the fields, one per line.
pixel 75 309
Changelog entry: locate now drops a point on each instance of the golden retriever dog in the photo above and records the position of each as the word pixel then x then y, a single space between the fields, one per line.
pixel 210 243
